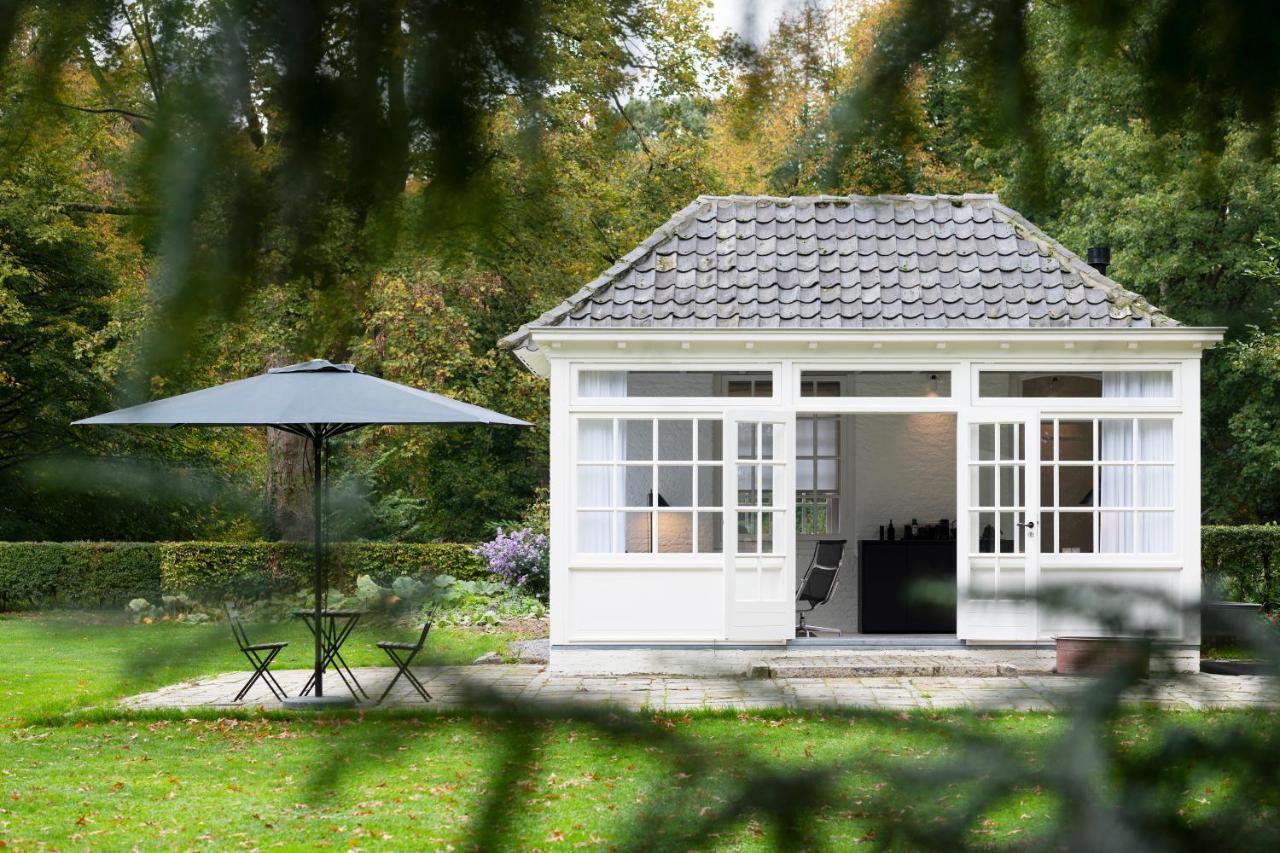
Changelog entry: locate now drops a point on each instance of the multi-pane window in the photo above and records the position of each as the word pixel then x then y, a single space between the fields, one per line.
pixel 650 485
pixel 1106 485
pixel 817 474
pixel 759 468
pixel 997 480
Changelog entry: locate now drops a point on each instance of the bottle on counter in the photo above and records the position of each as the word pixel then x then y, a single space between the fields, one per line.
pixel 892 534
pixel 882 533
pixel 915 529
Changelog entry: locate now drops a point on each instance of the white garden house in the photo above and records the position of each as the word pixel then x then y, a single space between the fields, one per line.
pixel 765 373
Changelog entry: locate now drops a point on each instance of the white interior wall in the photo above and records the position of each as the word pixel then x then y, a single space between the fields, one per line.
pixel 905 468
pixel 895 467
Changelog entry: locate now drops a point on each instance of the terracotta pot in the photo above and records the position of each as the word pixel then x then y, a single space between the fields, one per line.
pixel 1096 655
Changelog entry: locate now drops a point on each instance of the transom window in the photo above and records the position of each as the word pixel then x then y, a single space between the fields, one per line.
pixel 876 383
pixel 619 384
pixel 817 474
pixel 1106 485
pixel 650 485
pixel 1079 384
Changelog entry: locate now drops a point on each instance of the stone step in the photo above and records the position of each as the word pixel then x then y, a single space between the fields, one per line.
pixel 890 666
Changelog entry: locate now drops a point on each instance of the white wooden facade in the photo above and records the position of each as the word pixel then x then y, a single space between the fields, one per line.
pixel 739 598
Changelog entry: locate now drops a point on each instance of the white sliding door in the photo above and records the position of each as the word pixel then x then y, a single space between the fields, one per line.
pixel 759 527
pixel 999 544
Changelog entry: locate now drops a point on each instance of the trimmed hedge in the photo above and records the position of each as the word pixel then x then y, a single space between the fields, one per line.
pixel 108 574
pixel 1242 563
pixel 77 574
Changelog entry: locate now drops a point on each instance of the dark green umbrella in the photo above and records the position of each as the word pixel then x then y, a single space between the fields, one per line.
pixel 316 400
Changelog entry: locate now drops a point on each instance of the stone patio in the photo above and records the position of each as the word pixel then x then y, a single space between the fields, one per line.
pixel 454 687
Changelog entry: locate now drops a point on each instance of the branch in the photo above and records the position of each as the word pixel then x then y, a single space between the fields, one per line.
pixel 103 110
pixel 149 63
pixel 106 209
pixel 105 87
pixel 639 136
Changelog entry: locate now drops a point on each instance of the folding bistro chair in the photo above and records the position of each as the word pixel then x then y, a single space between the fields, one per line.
pixel 402 655
pixel 259 654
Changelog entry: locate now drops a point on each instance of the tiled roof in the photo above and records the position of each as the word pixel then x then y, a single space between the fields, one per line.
pixel 849 262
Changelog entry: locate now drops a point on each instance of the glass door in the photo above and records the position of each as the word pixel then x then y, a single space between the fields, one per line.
pixel 999 550
pixel 759 527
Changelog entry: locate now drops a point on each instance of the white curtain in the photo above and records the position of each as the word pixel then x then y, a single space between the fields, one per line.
pixel 1115 486
pixel 1140 477
pixel 1137 383
pixel 602 383
pixel 595 445
pixel 1155 486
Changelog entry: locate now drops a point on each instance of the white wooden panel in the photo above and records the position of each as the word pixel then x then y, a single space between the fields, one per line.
pixel 656 605
pixel 1145 614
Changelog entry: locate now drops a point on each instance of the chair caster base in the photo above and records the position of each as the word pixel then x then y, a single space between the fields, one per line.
pixel 813 631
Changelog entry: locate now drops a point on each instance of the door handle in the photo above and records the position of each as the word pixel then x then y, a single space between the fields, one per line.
pixel 1030 525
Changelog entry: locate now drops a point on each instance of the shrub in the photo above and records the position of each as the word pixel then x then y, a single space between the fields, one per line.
pixel 520 558
pixel 109 574
pixel 1242 563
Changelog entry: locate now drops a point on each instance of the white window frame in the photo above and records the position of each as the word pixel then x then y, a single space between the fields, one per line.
pixel 812 462
pixel 1171 403
pixel 664 404
pixel 940 363
pixel 653 558
pixel 1096 509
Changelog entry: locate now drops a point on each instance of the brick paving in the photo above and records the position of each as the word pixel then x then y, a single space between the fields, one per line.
pixel 457 687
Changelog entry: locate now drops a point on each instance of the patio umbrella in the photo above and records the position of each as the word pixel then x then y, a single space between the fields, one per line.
pixel 316 400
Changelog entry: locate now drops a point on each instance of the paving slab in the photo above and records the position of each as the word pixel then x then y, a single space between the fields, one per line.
pixel 471 686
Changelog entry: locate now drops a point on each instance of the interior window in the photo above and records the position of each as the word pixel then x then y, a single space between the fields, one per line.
pixel 876 383
pixel 1117 384
pixel 620 384
pixel 1106 485
pixel 650 485
pixel 817 474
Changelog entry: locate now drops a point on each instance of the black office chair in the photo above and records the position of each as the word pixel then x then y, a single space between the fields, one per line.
pixel 819 584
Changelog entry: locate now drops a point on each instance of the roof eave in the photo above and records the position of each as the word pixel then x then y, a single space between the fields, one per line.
pixel 540 339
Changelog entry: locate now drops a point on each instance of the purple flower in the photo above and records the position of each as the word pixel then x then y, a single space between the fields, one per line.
pixel 520 558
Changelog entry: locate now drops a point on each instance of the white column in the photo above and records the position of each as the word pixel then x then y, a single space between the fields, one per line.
pixel 1187 518
pixel 561 472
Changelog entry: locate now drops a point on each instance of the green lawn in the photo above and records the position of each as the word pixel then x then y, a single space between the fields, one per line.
pixel 106 779
pixel 57 662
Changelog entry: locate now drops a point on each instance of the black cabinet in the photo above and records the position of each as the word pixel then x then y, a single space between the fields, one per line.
pixel 887 573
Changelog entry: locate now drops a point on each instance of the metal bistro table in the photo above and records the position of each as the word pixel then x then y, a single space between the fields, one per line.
pixel 336 626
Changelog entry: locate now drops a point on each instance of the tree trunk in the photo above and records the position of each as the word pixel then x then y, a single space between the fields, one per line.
pixel 289 478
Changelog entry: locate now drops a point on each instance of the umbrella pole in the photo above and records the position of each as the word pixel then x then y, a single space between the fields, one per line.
pixel 317 526
pixel 317 701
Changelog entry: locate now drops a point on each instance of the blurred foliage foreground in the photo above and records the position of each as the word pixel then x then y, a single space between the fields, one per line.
pixel 1105 774
pixel 193 192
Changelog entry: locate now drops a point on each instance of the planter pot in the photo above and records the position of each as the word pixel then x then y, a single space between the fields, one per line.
pixel 1096 655
pixel 1225 623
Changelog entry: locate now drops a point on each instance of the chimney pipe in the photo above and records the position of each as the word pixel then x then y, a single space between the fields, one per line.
pixel 1099 257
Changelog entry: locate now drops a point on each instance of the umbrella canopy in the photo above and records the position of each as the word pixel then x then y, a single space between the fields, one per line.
pixel 318 400
pixel 304 396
